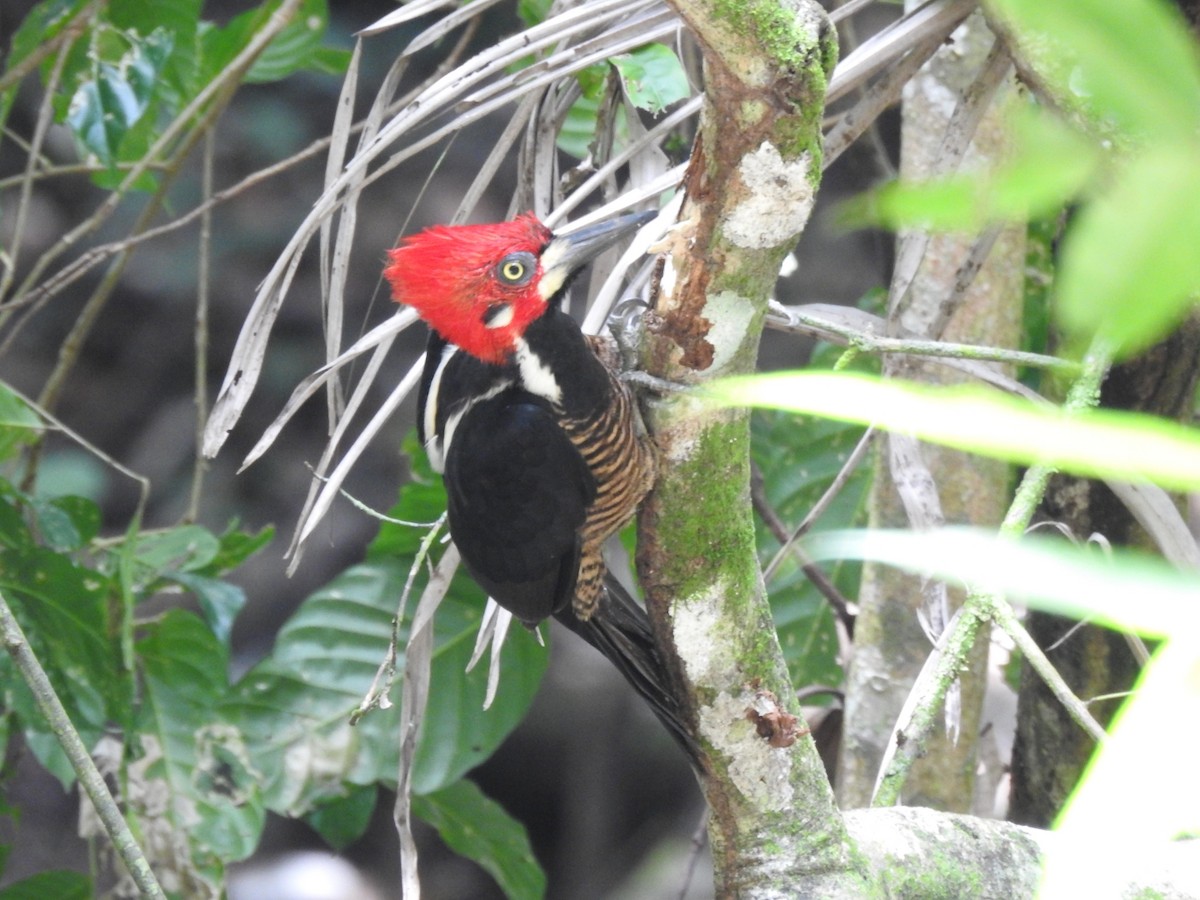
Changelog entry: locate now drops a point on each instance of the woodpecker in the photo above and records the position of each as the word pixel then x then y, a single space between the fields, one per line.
pixel 538 441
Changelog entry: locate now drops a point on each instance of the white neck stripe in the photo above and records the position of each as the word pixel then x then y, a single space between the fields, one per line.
pixel 536 376
pixel 434 445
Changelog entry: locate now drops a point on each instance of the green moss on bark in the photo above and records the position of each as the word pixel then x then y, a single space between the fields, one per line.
pixel 771 26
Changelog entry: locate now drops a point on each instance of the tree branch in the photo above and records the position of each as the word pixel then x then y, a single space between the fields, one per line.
pixel 749 189
pixel 89 776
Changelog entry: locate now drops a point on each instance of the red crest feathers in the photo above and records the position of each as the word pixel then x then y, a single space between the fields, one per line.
pixel 448 274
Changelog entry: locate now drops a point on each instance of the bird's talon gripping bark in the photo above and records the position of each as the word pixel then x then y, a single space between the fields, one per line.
pixel 625 324
pixel 648 382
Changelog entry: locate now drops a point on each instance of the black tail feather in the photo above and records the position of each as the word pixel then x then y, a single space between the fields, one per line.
pixel 620 630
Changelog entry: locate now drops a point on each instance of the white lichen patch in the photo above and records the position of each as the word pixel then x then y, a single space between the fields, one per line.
pixel 702 644
pixel 776 202
pixel 730 315
pixel 681 449
pixel 761 773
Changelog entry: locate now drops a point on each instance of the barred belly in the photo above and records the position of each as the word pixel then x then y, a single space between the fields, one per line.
pixel 621 458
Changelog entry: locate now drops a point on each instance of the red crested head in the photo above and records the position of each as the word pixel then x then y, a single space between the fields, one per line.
pixel 478 286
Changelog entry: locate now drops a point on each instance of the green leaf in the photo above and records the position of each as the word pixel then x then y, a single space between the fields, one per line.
pixel 1081 583
pixel 179 79
pixel 113 100
pixel 1130 268
pixel 1086 584
pixel 83 703
pixel 235 548
pixel 533 12
pixel 478 828
pixel 422 502
pixel 1096 443
pixel 182 549
pixel 294 707
pixel 66 523
pixel 220 601
pixel 43 22
pixel 201 762
pixel 143 66
pixel 59 884
pixel 653 77
pixel 14 533
pixel 1147 727
pixel 61 607
pixel 19 425
pixel 579 127
pixel 297 47
pixel 1134 61
pixel 342 820
pixel 798 457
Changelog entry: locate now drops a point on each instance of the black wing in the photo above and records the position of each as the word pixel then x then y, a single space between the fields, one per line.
pixel 517 491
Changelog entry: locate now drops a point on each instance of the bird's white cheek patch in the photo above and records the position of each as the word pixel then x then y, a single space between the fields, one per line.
pixel 536 376
pixel 499 316
pixel 551 282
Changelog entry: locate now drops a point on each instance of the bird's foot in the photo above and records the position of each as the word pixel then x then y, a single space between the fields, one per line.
pixel 648 382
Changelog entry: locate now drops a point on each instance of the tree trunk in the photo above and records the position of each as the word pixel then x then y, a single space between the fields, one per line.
pixel 749 189
pixel 939 485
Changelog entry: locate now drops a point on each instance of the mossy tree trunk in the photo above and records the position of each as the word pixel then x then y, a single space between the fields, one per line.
pixel 749 189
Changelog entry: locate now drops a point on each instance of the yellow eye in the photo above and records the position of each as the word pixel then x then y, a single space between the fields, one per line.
pixel 516 269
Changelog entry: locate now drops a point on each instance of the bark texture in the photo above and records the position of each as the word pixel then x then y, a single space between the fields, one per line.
pixel 749 190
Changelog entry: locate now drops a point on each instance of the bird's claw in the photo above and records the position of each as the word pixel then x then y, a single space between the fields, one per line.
pixel 646 381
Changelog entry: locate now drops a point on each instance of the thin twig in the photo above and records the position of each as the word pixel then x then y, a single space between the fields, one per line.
pixel 44 119
pixel 88 260
pixel 81 761
pixel 377 695
pixel 73 343
pixel 200 338
pixel 843 609
pixel 795 318
pixel 835 487
pixel 54 423
pixel 48 171
pixel 1002 614
pixel 1115 695
pixel 414 696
